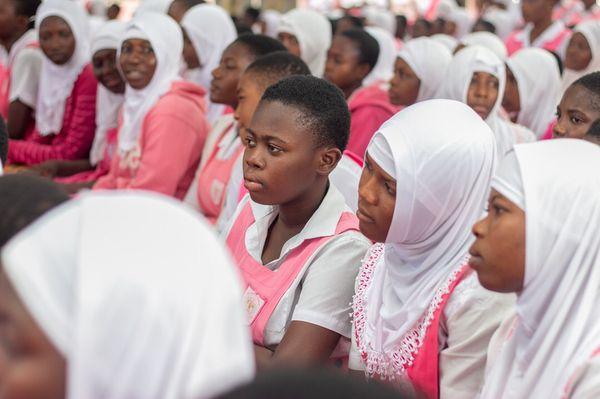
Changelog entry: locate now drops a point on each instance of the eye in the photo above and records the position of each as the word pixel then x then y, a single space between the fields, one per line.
pixel 575 120
pixel 250 142
pixel 390 189
pixel 368 166
pixel 274 149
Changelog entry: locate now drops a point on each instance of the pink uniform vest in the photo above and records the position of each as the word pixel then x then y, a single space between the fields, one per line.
pixel 514 43
pixel 417 354
pixel 5 71
pixel 265 287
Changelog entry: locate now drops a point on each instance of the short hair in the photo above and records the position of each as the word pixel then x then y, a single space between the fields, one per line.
pixel 3 141
pixel 271 68
pixel 486 26
pixel 356 22
pixel 321 105
pixel 23 199
pixel 368 47
pixel 259 45
pixel 27 8
pixel 591 82
pixel 190 3
pixel 594 130
pixel 253 13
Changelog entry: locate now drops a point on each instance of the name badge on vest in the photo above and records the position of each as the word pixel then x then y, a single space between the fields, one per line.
pixel 253 303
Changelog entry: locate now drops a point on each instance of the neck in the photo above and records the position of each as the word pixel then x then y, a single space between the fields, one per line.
pixel 9 42
pixel 351 89
pixel 297 213
pixel 540 26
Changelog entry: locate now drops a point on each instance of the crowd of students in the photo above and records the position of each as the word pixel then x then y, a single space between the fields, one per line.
pixel 192 201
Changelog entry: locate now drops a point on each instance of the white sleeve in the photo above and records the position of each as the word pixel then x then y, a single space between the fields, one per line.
pixel 25 76
pixel 587 381
pixel 232 192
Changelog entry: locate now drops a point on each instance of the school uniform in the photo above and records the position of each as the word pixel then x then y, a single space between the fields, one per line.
pixel 555 38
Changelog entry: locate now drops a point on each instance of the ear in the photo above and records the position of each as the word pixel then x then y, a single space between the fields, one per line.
pixel 328 160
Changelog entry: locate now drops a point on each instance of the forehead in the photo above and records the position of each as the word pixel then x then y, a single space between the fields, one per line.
pixel 484 75
pixel 249 83
pixel 238 51
pixel 580 98
pixel 105 53
pixel 137 42
pixel 272 118
pixel 54 21
pixel 342 42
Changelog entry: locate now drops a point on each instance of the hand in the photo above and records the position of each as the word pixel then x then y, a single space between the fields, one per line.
pixel 47 169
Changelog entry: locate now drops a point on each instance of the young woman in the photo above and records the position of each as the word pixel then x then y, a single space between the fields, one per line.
pixel 578 113
pixel 582 53
pixel 540 240
pixel 123 307
pixel 420 316
pixel 163 128
pixel 66 101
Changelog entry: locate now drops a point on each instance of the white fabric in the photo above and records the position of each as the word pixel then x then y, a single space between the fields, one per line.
pixel 591 31
pixel 25 76
pixel 271 19
pixel 29 38
pixel 128 298
pixel 487 40
pixel 430 231
pixel 313 32
pixel 538 80
pixel 548 35
pixel 384 69
pixel 502 21
pixel 461 18
pixel 380 18
pixel 346 178
pixel 558 309
pixel 167 42
pixel 1 168
pixel 57 81
pixel 210 30
pixel 429 60
pixel 159 6
pixel 446 40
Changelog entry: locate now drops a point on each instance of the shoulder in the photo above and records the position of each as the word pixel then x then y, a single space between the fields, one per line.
pixel 86 81
pixel 29 55
pixel 184 100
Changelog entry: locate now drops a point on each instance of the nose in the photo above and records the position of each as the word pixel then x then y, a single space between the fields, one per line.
pixel 216 73
pixel 253 158
pixel 366 189
pixel 559 129
pixel 477 228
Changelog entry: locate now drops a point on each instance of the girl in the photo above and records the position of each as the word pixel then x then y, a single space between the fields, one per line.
pixel 540 240
pixel 419 314
pixel 129 317
pixel 384 68
pixel 419 71
pixel 66 100
pixel 582 53
pixel 163 128
pixel 532 90
pixel 578 113
pixel 207 31
pixel 294 239
pixel 476 77
pixel 306 34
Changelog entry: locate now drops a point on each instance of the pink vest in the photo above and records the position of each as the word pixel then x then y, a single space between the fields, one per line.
pixel 265 287
pixel 514 44
pixel 5 71
pixel 417 356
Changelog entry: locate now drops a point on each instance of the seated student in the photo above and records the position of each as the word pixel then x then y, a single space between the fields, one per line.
pixel 111 86
pixel 223 144
pixel 419 71
pixel 306 34
pixel 532 90
pixel 351 58
pixel 540 31
pixel 294 238
pixel 583 53
pixel 421 27
pixel 123 306
pixel 420 316
pixel 66 100
pixel 163 127
pixel 578 112
pixel 3 144
pixel 382 72
pixel 540 240
pixel 178 8
pixel 487 40
pixel 19 83
pixel 207 31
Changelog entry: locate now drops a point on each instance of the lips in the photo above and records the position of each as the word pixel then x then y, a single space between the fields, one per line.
pixel 480 110
pixel 363 216
pixel 252 184
pixel 475 261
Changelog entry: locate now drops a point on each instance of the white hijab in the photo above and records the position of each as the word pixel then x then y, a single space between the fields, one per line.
pixel 108 104
pixel 384 69
pixel 57 81
pixel 487 40
pixel 429 60
pixel 141 300
pixel 159 6
pixel 591 31
pixel 538 79
pixel 271 18
pixel 446 40
pixel 558 310
pixel 166 39
pixel 502 21
pixel 210 30
pixel 313 32
pixel 430 232
pixel 380 18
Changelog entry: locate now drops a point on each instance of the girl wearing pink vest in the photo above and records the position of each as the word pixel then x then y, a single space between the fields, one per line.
pixel 420 317
pixel 295 241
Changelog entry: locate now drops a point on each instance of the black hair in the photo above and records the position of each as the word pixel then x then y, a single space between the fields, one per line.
pixel 321 105
pixel 23 199
pixel 367 46
pixel 484 25
pixel 3 141
pixel 271 68
pixel 190 3
pixel 594 130
pixel 27 8
pixel 356 22
pixel 558 61
pixel 591 82
pixel 260 45
pixel 253 13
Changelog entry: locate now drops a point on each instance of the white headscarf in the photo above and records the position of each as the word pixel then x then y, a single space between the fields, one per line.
pixel 159 6
pixel 462 19
pixel 384 69
pixel 166 39
pixel 487 40
pixel 591 31
pixel 142 300
pixel 430 232
pixel 108 103
pixel 380 18
pixel 429 60
pixel 313 32
pixel 271 18
pixel 57 81
pixel 558 310
pixel 210 30
pixel 538 79
pixel 502 21
pixel 446 40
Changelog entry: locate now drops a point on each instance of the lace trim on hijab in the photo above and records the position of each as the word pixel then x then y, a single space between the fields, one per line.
pixel 393 365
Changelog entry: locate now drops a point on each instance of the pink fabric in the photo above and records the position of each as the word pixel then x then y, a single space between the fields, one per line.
pixel 514 43
pixel 270 285
pixel 369 108
pixel 76 135
pixel 169 149
pixel 431 12
pixel 549 131
pixel 5 75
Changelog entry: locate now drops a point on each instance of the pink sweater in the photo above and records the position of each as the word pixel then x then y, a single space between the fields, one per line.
pixel 169 149
pixel 76 135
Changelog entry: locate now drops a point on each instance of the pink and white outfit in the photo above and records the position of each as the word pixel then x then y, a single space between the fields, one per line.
pixel 550 348
pixel 591 31
pixel 420 315
pixel 555 38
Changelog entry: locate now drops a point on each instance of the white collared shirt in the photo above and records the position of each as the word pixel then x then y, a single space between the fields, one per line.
pixel 548 35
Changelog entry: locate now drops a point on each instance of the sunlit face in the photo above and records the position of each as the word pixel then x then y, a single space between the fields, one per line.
pixel 405 84
pixel 342 67
pixel 483 93
pixel 575 113
pixel 57 40
pixel 234 61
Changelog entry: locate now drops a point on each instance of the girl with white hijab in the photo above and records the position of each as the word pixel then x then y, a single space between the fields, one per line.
pixel 210 30
pixel 384 69
pixel 126 303
pixel 545 207
pixel 420 316
pixel 306 34
pixel 583 46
